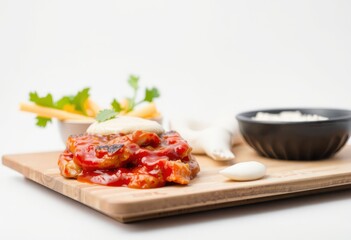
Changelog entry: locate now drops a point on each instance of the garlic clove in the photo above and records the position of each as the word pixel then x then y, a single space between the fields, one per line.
pixel 245 171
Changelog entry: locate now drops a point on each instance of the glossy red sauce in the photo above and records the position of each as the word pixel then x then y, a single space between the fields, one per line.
pixel 137 160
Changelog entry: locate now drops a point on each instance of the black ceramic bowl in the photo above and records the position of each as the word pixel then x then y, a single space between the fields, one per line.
pixel 297 140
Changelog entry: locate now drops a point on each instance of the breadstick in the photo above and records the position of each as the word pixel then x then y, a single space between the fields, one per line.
pixel 92 108
pixel 144 112
pixel 51 112
pixel 155 115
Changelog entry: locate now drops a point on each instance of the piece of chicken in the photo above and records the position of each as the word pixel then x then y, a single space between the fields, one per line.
pixel 139 160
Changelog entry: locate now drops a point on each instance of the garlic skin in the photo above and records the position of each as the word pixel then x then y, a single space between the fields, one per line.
pixel 213 139
pixel 245 171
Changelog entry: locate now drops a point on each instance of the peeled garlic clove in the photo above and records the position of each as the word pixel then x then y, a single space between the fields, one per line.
pixel 245 171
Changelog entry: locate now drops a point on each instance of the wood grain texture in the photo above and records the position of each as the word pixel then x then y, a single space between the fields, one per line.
pixel 208 191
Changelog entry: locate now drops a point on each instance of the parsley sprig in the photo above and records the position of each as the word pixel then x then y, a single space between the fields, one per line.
pixel 77 101
pixel 133 81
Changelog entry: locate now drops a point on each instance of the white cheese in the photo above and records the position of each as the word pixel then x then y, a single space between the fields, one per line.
pixel 245 171
pixel 124 125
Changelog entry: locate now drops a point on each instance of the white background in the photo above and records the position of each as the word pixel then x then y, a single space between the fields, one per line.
pixel 208 58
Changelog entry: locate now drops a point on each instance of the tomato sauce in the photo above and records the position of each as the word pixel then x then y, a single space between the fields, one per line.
pixel 137 160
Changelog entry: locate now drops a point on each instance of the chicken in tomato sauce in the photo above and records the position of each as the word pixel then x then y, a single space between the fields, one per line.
pixel 140 159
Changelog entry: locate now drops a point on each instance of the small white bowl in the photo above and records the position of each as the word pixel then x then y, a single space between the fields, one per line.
pixel 72 127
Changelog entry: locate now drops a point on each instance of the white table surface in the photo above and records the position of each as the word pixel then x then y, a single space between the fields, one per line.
pixel 207 58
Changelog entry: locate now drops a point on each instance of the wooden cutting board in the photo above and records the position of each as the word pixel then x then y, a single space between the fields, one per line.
pixel 208 191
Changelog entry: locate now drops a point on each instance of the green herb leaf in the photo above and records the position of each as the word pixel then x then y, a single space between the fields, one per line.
pixel 134 82
pixel 150 94
pixel 46 101
pixel 105 115
pixel 131 104
pixel 63 101
pixel 79 100
pixel 42 121
pixel 116 105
